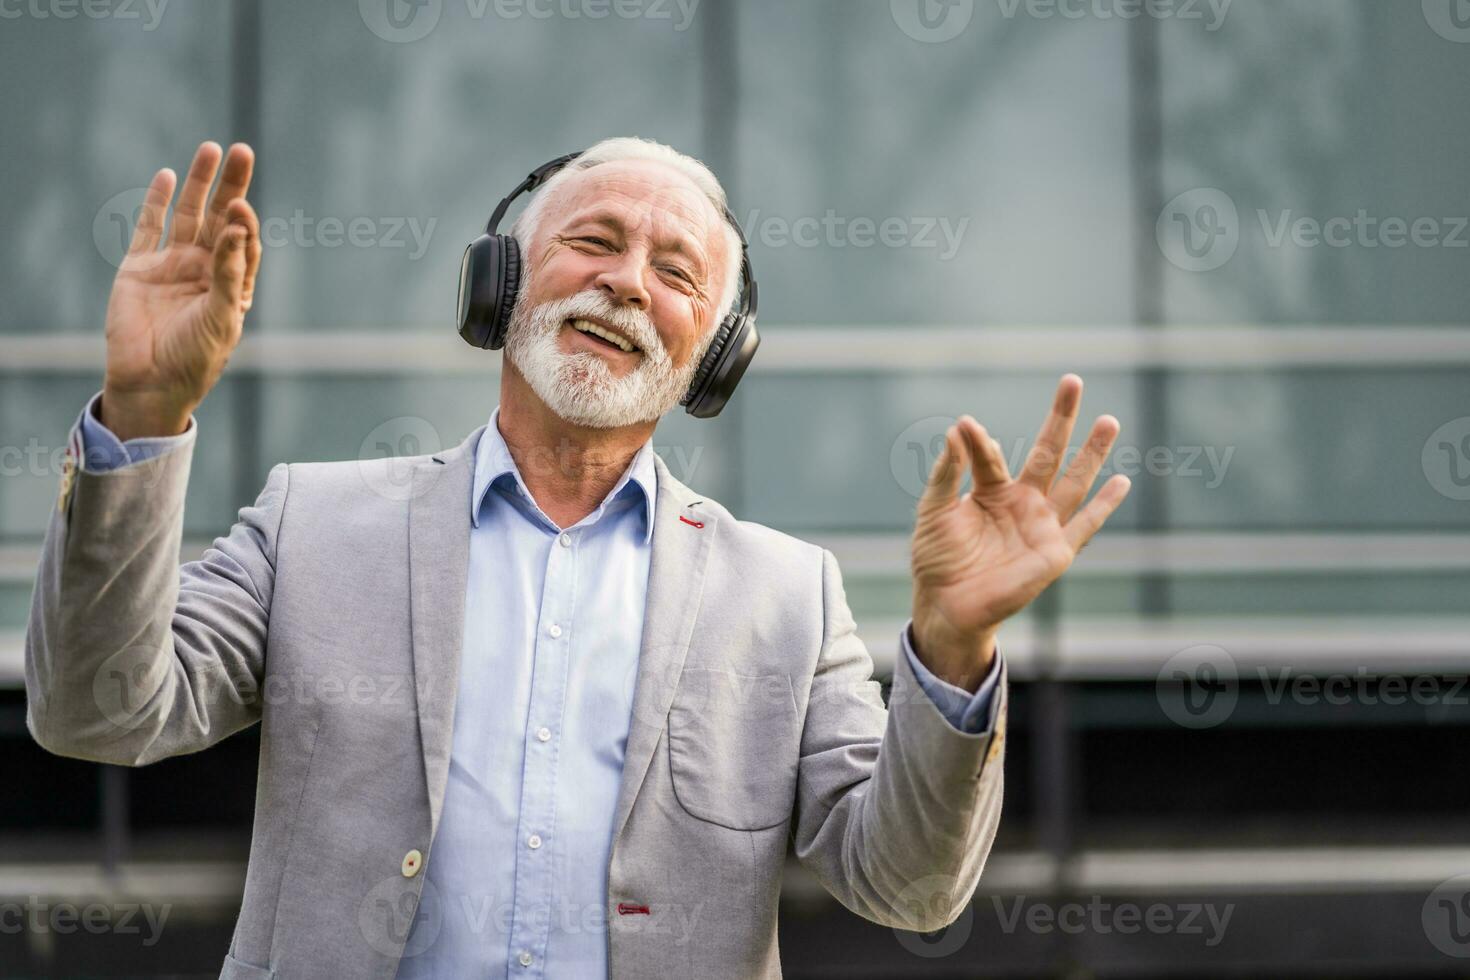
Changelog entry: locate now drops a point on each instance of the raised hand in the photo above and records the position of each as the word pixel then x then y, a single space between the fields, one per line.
pixel 982 557
pixel 176 312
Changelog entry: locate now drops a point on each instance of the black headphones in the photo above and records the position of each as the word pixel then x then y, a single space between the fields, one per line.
pixel 490 275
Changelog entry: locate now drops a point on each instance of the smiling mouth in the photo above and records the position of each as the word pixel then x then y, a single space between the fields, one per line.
pixel 602 335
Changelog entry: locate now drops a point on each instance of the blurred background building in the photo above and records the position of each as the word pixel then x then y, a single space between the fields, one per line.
pixel 1239 723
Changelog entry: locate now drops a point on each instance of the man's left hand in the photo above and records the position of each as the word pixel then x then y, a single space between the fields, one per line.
pixel 981 557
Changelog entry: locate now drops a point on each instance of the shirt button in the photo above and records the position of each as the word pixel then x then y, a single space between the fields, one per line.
pixel 412 861
pixel 534 841
pixel 566 540
pixel 555 630
pixel 543 733
pixel 524 959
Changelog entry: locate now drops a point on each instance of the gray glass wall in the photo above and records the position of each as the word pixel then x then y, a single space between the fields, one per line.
pixel 1242 223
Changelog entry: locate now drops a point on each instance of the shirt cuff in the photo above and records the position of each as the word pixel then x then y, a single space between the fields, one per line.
pixel 103 451
pixel 966 712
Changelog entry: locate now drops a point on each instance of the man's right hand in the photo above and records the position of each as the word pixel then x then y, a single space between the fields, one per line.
pixel 176 312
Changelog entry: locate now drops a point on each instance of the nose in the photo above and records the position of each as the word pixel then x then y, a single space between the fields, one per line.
pixel 622 280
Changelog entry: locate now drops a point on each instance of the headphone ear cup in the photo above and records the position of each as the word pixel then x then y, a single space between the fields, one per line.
pixel 707 363
pixel 489 277
pixel 510 287
pixel 723 365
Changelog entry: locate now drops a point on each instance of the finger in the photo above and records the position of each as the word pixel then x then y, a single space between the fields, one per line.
pixel 190 209
pixel 228 280
pixel 987 464
pixel 1080 529
pixel 1045 457
pixel 948 470
pixel 1000 457
pixel 149 229
pixel 1071 489
pixel 234 181
pixel 241 213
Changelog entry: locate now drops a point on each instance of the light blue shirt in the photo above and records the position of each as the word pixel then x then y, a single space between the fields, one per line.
pixel 517 873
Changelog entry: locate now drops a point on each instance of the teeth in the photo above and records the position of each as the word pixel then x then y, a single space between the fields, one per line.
pixel 587 326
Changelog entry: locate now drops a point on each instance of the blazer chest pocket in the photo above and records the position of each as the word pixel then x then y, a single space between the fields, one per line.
pixel 734 746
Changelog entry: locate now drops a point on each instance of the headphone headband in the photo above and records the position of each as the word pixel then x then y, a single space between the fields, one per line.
pixel 533 180
pixel 489 280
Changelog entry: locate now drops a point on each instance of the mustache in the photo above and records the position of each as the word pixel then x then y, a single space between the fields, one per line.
pixel 633 323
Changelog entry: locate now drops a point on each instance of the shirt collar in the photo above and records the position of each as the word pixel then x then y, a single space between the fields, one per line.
pixel 493 463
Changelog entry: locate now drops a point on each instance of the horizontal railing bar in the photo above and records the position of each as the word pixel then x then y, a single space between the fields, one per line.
pixel 853 348
pixel 1199 552
pixel 1111 553
pixel 1134 648
pixel 195 885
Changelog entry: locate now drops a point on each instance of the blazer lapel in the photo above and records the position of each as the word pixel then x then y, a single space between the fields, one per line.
pixel 681 552
pixel 438 567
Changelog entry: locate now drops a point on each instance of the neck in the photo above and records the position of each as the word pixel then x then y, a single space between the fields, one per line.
pixel 568 468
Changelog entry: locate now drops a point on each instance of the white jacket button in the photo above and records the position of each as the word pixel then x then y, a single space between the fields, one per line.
pixel 412 861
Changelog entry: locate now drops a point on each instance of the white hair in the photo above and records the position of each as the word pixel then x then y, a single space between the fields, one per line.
pixel 632 148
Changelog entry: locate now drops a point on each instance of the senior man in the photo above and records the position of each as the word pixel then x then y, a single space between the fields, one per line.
pixel 586 708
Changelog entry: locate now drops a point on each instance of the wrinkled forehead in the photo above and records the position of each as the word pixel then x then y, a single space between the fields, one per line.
pixel 642 196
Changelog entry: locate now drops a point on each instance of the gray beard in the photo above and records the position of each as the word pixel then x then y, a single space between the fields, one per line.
pixel 580 387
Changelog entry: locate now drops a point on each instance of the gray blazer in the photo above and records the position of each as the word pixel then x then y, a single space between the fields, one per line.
pixel 333 612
